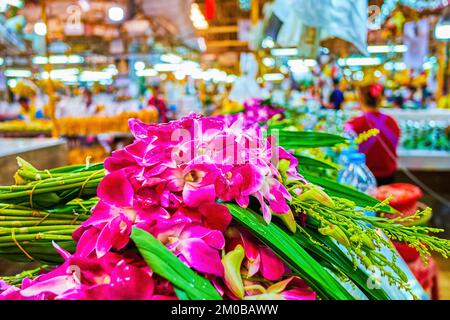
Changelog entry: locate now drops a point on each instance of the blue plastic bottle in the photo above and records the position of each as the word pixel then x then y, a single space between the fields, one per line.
pixel 357 174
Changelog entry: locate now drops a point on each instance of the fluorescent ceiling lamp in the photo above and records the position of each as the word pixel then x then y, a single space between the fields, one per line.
pixel 395 66
pixel 12 83
pixel 268 43
pixel 40 29
pixel 116 14
pixel 171 58
pixel 147 73
pixel 139 65
pixel 399 48
pixel 197 74
pixel 273 77
pixel 68 78
pixel 197 18
pixel 39 60
pixel 5 3
pixel 179 75
pixel 364 61
pixel 190 67
pixel 269 62
pixel 442 31
pixel 111 69
pixel 284 52
pixel 231 78
pixel 88 76
pixel 302 63
pixel 72 59
pixel 14 3
pixel 428 65
pixel 17 73
pixel 61 74
pixel 166 67
pixel 300 69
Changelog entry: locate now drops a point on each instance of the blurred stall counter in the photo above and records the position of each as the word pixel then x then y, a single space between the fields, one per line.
pixel 425 160
pixel 43 152
pixel 419 115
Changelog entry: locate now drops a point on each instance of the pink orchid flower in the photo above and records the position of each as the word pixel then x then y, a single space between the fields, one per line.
pixel 112 277
pixel 110 224
pixel 259 258
pixel 194 244
pixel 196 182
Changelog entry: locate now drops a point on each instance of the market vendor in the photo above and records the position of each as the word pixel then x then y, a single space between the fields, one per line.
pixel 157 102
pixel 381 150
pixel 27 110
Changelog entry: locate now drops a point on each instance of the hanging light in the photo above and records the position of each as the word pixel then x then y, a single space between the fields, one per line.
pixel 442 30
pixel 139 65
pixel 40 29
pixel 197 18
pixel 116 14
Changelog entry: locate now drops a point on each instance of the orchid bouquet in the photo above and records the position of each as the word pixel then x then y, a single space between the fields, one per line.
pixel 257 111
pixel 214 208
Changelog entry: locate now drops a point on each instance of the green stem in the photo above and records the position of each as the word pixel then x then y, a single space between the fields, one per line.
pixel 37 236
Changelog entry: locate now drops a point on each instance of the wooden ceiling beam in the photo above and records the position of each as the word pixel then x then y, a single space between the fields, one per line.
pixel 226 43
pixel 220 29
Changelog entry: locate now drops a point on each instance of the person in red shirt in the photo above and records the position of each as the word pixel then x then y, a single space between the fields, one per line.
pixel 381 150
pixel 157 102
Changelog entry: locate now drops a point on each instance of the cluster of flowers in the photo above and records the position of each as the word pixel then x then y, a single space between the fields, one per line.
pixel 256 111
pixel 170 183
pixel 261 111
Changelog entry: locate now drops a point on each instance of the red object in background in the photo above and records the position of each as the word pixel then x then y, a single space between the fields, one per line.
pixel 405 199
pixel 408 254
pixel 405 196
pixel 427 276
pixel 210 9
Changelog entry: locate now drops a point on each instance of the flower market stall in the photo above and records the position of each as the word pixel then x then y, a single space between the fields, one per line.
pixel 241 152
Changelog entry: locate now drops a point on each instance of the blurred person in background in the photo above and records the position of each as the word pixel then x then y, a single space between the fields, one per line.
pixel 381 150
pixel 27 110
pixel 157 102
pixel 336 96
pixel 88 101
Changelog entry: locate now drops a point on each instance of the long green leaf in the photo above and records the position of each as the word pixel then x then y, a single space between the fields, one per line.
pixel 289 251
pixel 164 263
pixel 311 162
pixel 306 139
pixel 336 189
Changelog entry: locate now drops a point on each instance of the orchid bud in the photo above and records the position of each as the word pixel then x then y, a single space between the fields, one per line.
pixel 288 220
pixel 318 195
pixel 232 265
pixel 336 233
pixel 283 166
pixel 367 241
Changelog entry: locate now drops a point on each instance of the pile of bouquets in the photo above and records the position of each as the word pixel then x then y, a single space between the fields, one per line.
pixel 257 111
pixel 213 208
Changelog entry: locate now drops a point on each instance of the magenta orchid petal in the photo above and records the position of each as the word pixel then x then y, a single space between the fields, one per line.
pixel 216 216
pixel 201 257
pixel 64 253
pixel 213 238
pixel 116 189
pixel 196 196
pixel 87 242
pixel 56 285
pixel 272 267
